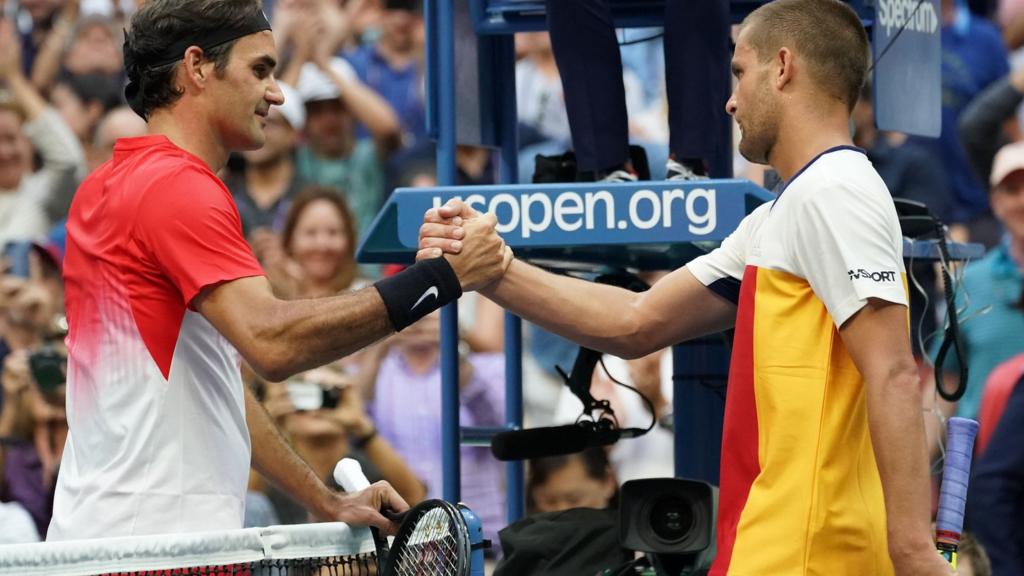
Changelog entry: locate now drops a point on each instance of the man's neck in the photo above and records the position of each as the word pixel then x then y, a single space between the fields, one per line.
pixel 268 182
pixel 343 152
pixel 191 133
pixel 396 57
pixel 805 138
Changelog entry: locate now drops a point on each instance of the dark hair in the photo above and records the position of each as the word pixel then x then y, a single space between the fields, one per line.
pixel 595 464
pixel 159 24
pixel 347 271
pixel 828 33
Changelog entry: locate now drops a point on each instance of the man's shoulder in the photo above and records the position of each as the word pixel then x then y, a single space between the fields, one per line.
pixel 839 178
pixel 166 175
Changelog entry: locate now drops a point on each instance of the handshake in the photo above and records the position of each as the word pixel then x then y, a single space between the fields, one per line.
pixel 468 240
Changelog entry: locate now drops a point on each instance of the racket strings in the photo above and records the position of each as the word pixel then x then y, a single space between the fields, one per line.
pixel 432 548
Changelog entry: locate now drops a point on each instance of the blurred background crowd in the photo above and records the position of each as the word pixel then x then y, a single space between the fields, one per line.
pixel 351 130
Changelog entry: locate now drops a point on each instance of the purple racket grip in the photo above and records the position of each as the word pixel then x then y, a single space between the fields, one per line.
pixel 956 472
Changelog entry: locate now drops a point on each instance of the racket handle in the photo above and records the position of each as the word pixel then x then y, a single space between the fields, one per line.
pixel 348 473
pixel 956 472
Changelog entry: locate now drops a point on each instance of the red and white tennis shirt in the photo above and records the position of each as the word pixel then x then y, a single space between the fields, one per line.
pixel 158 441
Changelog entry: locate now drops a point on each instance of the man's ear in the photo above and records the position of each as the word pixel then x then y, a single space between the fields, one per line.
pixel 785 68
pixel 196 68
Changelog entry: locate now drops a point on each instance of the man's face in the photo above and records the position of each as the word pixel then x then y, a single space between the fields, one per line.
pixel 94 50
pixel 12 158
pixel 1008 203
pixel 752 104
pixel 241 97
pixel 280 141
pixel 328 127
pixel 400 28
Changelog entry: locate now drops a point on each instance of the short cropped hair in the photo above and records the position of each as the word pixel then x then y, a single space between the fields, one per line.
pixel 827 33
pixel 160 23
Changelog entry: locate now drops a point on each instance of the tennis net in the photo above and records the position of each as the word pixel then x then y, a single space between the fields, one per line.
pixel 330 549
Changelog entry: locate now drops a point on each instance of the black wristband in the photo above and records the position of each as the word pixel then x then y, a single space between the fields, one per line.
pixel 418 290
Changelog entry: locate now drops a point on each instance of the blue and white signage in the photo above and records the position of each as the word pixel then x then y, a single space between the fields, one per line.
pixel 906 48
pixel 592 214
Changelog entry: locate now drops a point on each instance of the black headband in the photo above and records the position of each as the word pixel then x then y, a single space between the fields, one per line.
pixel 176 51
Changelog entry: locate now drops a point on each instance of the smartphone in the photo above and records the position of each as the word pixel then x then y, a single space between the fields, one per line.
pixel 306 396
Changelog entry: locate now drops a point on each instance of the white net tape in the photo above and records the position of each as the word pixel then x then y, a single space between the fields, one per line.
pixel 163 552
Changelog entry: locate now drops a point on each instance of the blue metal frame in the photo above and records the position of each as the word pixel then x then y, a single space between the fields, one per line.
pixel 500 17
pixel 445 41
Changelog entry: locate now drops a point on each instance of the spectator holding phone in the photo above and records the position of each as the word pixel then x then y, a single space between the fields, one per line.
pixel 323 413
pixel 32 420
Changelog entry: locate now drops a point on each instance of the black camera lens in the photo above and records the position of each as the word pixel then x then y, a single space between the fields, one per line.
pixel 672 518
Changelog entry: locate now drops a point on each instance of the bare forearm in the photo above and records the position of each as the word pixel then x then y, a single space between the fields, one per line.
pixel 47 61
pixel 368 108
pixel 595 315
pixel 26 95
pixel 611 319
pixel 898 439
pixel 274 459
pixel 304 334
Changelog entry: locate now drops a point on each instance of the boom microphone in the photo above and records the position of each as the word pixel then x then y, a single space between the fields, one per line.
pixel 556 440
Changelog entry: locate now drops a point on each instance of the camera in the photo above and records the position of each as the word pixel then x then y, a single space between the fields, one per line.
pixel 307 396
pixel 672 520
pixel 49 367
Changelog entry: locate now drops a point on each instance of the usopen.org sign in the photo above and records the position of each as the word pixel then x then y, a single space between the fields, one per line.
pixel 586 214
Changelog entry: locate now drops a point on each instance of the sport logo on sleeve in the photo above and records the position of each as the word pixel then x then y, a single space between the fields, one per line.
pixel 884 276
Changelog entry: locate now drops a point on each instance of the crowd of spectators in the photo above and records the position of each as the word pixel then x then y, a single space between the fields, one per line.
pixel 353 127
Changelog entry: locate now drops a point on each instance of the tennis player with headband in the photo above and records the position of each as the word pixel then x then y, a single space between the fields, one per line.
pixel 824 468
pixel 163 294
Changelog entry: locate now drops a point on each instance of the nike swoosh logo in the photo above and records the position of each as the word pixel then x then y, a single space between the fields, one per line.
pixel 432 291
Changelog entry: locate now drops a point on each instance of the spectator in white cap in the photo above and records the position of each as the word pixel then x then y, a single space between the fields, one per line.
pixel 268 179
pixel 336 100
pixel 994 283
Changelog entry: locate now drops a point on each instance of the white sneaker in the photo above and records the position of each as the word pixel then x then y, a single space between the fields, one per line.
pixel 619 176
pixel 678 171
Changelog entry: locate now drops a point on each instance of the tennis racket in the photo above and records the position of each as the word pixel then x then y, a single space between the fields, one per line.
pixel 956 471
pixel 433 538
